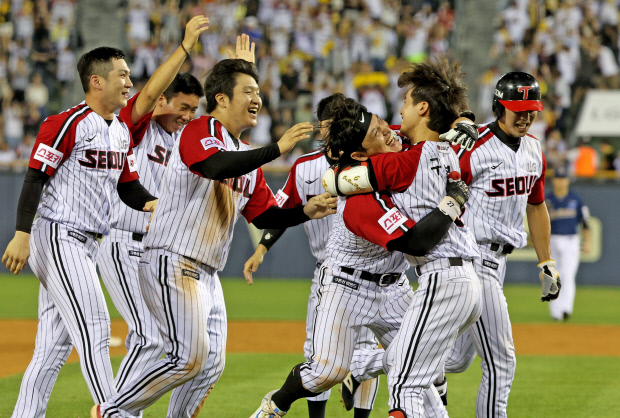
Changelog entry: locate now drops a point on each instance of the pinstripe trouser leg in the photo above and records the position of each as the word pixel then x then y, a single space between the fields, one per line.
pixel 181 295
pixel 119 272
pixel 51 350
pixel 445 305
pixel 491 338
pixel 74 307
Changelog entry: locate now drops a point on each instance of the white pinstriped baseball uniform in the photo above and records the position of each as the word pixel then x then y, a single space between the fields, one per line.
pixel 303 182
pixel 187 243
pixel 501 184
pixel 448 299
pixel 120 251
pixel 86 160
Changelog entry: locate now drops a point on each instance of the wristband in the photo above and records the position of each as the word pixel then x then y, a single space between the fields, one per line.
pixel 184 49
pixel 449 206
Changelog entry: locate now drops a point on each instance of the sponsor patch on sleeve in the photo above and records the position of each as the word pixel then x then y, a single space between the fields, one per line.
pixel 77 236
pixel 281 198
pixel 48 155
pixel 392 220
pixel 132 164
pixel 490 264
pixel 208 143
pixel 190 273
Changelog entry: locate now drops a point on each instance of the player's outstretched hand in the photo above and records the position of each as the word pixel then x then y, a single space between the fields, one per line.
pixel 253 262
pixel 464 133
pixel 550 281
pixel 193 29
pixel 320 206
pixel 244 49
pixel 295 134
pixel 17 252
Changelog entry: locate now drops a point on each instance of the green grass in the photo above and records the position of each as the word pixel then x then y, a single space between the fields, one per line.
pixel 546 387
pixel 279 299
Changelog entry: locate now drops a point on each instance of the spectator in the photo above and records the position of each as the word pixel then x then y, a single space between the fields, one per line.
pixel 37 94
pixel 586 162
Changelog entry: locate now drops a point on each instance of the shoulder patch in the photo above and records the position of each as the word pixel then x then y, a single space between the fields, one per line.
pixel 392 220
pixel 48 155
pixel 208 143
pixel 281 198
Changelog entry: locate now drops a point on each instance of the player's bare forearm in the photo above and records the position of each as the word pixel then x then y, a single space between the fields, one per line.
pixel 163 76
pixel 587 240
pixel 540 230
pixel 17 252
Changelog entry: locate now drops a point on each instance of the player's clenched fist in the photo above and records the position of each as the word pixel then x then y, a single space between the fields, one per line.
pixel 295 134
pixel 320 206
pixel 17 252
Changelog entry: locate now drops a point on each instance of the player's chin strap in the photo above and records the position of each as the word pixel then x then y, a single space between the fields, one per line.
pixel 355 179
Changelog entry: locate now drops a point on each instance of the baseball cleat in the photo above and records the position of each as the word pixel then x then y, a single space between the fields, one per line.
pixel 397 413
pixel 347 391
pixel 442 388
pixel 95 411
pixel 268 409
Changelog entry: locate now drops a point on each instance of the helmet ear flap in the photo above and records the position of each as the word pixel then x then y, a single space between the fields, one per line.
pixel 498 109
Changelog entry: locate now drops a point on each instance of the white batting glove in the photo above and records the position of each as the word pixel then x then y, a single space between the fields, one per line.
pixel 464 134
pixel 550 281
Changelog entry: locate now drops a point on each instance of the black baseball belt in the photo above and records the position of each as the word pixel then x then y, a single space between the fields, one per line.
pixel 454 262
pixel 95 235
pixel 506 248
pixel 137 237
pixel 382 280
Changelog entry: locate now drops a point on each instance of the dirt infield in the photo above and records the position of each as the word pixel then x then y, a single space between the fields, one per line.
pixel 18 337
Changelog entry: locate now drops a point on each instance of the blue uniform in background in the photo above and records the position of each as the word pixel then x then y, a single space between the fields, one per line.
pixel 566 214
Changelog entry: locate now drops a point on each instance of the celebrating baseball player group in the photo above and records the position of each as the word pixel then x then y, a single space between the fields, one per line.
pixel 151 196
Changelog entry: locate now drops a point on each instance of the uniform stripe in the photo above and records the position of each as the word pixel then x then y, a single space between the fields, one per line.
pixel 78 314
pixel 488 354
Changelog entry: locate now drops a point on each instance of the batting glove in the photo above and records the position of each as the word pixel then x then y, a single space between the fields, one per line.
pixel 550 281
pixel 464 134
pixel 458 190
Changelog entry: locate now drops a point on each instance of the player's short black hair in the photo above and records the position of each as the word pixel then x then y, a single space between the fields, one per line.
pixel 184 83
pixel 439 82
pixel 323 109
pixel 97 62
pixel 343 136
pixel 223 78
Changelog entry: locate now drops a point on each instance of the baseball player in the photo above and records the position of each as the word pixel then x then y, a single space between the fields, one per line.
pixel 303 182
pixel 81 156
pixel 155 117
pixel 566 211
pixel 362 282
pixel 212 178
pixel 505 172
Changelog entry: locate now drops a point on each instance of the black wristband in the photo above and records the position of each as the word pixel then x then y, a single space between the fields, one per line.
pixel 270 236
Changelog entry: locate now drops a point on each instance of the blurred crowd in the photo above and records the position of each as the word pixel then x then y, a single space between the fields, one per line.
pixel 309 49
pixel 570 46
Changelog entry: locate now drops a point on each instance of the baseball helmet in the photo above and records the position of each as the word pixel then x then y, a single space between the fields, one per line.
pixel 516 91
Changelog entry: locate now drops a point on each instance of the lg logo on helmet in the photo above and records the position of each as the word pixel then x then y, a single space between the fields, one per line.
pixel 525 91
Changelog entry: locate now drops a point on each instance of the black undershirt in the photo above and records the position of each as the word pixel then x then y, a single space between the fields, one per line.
pixel 510 141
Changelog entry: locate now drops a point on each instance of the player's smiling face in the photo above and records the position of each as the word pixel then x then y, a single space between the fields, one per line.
pixel 245 104
pixel 174 114
pixel 517 124
pixel 378 140
pixel 115 88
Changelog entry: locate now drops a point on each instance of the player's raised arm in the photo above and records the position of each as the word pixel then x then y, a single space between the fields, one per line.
pixel 244 49
pixel 163 76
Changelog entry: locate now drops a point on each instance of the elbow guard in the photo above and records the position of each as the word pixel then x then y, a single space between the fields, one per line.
pixel 350 180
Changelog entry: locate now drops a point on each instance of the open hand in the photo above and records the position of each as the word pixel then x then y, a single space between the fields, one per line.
pixel 321 206
pixel 193 29
pixel 244 49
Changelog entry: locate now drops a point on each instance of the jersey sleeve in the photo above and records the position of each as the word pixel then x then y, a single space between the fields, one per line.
pixel 261 199
pixel 139 129
pixel 396 170
pixel 130 170
pixel 54 143
pixel 200 139
pixel 537 196
pixel 288 196
pixel 374 217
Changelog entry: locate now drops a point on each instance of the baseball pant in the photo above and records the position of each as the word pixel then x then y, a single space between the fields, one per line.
pixel 367 391
pixel 565 251
pixel 447 302
pixel 72 312
pixel 490 337
pixel 186 300
pixel 118 265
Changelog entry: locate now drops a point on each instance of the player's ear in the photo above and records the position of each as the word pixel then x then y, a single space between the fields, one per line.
pixel 423 108
pixel 162 100
pixel 96 82
pixel 221 99
pixel 359 155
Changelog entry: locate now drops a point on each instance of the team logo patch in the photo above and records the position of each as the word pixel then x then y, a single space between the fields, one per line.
pixel 490 264
pixel 348 283
pixel 392 220
pixel 77 236
pixel 134 253
pixel 132 164
pixel 48 155
pixel 190 273
pixel 281 198
pixel 444 147
pixel 208 143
